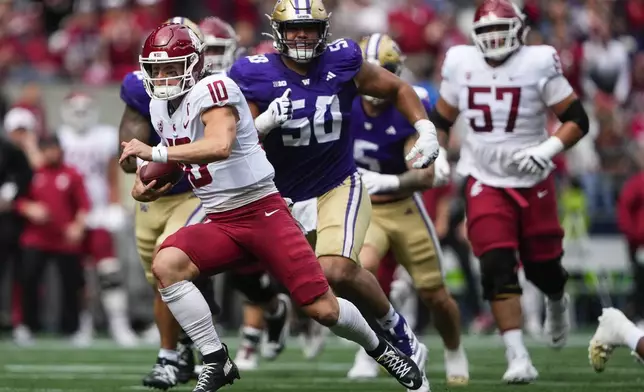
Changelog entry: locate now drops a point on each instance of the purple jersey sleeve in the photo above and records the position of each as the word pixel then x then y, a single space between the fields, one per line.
pixel 254 76
pixel 134 95
pixel 343 60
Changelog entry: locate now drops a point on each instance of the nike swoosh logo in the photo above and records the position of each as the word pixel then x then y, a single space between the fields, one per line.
pixel 186 124
pixel 270 213
pixel 409 384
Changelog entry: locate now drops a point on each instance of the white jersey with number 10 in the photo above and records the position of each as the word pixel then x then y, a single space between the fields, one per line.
pixel 504 108
pixel 246 175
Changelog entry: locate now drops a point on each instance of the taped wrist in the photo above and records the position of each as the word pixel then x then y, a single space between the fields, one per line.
pixel 265 122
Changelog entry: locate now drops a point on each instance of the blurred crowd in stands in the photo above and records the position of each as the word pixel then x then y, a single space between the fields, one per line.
pixel 600 42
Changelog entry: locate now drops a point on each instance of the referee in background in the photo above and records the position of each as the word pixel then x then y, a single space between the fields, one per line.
pixel 15 178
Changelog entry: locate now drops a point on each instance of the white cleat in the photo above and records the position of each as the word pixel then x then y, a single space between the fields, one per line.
pixel 364 367
pixel 22 336
pixel 607 336
pixel 457 369
pixel 247 359
pixel 520 370
pixel 557 325
pixel 125 337
pixel 151 335
pixel 313 344
pixel 82 338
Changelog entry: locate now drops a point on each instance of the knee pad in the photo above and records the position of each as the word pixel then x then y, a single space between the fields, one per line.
pixel 257 287
pixel 204 284
pixel 549 276
pixel 498 274
pixel 109 274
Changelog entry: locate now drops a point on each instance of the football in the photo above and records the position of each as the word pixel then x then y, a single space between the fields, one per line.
pixel 164 173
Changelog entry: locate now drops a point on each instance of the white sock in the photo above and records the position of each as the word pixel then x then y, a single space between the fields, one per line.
pixel 633 336
pixel 352 326
pixel 115 304
pixel 390 320
pixel 513 340
pixel 250 337
pixel 170 355
pixel 191 311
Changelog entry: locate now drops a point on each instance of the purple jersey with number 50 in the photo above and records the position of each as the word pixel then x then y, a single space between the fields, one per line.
pixel 379 143
pixel 313 152
pixel 134 95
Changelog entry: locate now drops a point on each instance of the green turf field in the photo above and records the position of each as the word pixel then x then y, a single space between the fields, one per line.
pixel 54 367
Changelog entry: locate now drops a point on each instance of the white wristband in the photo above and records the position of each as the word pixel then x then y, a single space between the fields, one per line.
pixel 160 154
pixel 425 126
pixel 551 147
pixel 392 182
pixel 265 122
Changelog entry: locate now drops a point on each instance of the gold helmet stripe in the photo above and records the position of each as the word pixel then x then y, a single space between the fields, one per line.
pixel 372 47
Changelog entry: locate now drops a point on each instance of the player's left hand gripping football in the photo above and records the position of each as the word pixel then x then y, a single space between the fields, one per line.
pixel 147 193
pixel 377 182
pixel 426 147
pixel 532 161
pixel 282 108
pixel 136 148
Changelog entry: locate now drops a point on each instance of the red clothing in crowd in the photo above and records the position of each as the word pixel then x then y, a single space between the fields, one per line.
pixel 630 210
pixel 61 191
pixel 432 196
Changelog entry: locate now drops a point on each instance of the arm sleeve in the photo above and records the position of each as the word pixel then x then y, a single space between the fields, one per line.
pixel 347 58
pixel 449 86
pixel 553 84
pixel 134 95
pixel 216 92
pixel 241 74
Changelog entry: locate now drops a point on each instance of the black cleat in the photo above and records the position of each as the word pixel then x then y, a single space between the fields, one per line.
pixel 186 363
pixel 399 365
pixel 163 375
pixel 277 329
pixel 216 374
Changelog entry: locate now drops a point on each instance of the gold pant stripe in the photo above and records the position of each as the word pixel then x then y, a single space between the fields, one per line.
pixel 418 200
pixel 351 215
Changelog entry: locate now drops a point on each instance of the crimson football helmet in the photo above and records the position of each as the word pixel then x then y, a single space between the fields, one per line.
pixel 220 40
pixel 499 29
pixel 171 44
pixel 79 111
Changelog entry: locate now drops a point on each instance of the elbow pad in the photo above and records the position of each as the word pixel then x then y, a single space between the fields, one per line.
pixel 439 121
pixel 577 114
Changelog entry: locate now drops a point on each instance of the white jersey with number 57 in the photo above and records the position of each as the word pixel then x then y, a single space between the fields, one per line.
pixel 246 175
pixel 504 108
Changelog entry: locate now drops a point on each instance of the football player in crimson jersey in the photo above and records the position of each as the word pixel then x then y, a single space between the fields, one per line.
pixel 154 222
pixel 84 142
pixel 220 50
pixel 503 89
pixel 221 44
pixel 209 129
pixel 399 221
pixel 312 153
